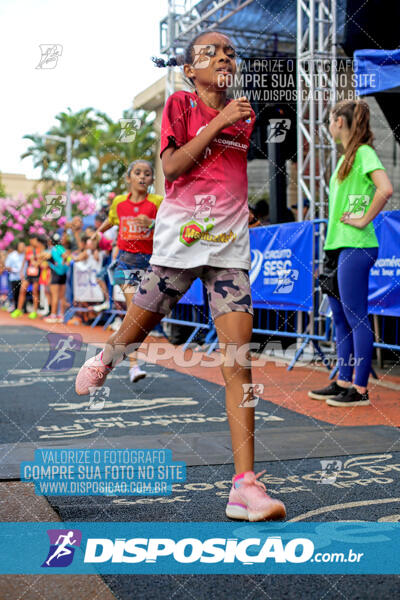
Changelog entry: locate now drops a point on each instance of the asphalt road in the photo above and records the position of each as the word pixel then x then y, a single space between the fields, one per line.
pixel 39 408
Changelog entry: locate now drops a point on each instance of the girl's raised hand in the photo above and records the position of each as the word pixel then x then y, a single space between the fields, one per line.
pixel 234 111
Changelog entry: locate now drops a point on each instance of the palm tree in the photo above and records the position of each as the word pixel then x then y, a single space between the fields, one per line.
pixel 114 154
pixel 99 157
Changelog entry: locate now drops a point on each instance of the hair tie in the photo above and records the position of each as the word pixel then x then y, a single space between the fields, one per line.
pixel 159 62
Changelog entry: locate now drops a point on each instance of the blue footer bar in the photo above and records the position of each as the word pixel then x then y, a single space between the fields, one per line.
pixel 200 548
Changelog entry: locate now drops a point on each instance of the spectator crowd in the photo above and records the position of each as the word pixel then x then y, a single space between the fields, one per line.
pixel 34 275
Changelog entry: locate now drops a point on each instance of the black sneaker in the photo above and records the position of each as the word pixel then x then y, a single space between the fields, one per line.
pixel 349 397
pixel 331 391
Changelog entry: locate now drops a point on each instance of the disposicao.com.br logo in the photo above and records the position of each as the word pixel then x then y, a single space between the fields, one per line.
pixel 192 550
pixel 118 547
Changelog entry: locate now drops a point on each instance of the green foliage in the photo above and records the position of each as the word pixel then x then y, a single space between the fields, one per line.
pixel 2 188
pixel 99 157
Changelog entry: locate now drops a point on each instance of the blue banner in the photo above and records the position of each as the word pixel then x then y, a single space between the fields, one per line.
pixel 376 70
pixel 384 279
pixel 281 266
pixel 194 295
pixel 4 285
pixel 194 548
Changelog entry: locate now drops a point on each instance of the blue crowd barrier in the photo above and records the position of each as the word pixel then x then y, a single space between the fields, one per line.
pixel 282 278
pixel 281 273
pixel 191 310
pixel 384 288
pixel 69 293
pixel 384 281
pixel 4 283
pixel 284 283
pixel 395 331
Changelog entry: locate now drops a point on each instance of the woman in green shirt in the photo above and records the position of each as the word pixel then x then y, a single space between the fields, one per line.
pixel 358 191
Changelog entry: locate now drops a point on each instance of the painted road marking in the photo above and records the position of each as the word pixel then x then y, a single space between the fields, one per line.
pixel 333 507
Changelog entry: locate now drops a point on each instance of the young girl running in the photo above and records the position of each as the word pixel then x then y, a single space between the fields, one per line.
pixel 135 215
pixel 202 231
pixel 359 189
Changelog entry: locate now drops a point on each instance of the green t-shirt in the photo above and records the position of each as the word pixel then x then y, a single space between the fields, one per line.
pixel 354 194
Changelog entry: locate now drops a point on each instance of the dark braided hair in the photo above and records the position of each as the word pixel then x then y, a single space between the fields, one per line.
pixel 187 57
pixel 174 61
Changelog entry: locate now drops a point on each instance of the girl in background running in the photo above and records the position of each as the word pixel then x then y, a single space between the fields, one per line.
pixel 358 191
pixel 135 214
pixel 202 231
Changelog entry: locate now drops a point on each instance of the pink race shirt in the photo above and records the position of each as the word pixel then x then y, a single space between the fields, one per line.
pixel 203 219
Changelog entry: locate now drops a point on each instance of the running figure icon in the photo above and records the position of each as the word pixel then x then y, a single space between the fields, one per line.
pixel 278 129
pixel 62 351
pixel 62 549
pixel 63 345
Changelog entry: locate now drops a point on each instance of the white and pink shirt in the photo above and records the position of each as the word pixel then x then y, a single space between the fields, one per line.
pixel 203 219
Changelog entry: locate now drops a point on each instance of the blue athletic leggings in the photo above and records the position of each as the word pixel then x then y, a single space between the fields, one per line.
pixel 354 337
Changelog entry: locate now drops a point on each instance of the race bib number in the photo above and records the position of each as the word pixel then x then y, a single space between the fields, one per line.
pixel 32 271
pixel 131 230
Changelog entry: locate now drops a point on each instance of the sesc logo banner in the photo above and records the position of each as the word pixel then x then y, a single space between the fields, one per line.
pixel 281 274
pixel 384 279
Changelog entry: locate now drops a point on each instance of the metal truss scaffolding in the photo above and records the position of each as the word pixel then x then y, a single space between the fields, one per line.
pixel 316 94
pixel 192 16
pixel 316 89
pixel 187 17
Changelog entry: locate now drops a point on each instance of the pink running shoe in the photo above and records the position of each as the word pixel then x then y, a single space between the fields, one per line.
pixel 92 374
pixel 249 501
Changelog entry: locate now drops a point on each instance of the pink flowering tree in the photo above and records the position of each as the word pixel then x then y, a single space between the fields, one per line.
pixel 38 213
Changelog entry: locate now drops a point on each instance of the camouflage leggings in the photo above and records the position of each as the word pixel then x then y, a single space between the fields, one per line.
pixel 228 290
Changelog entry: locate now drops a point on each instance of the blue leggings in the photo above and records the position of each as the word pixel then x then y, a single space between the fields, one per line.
pixel 354 337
